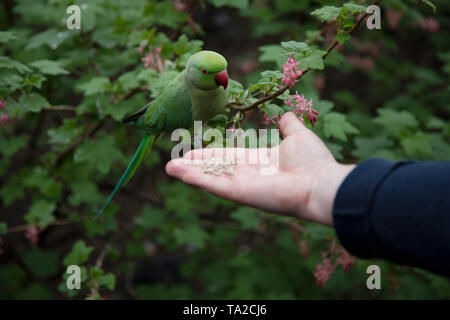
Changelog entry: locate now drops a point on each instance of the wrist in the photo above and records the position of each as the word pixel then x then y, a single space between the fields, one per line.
pixel 329 179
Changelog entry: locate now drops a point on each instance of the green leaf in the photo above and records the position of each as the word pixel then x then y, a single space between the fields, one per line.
pixel 13 144
pixel 272 110
pixel 272 74
pixel 192 235
pixel 49 67
pixel 10 81
pixel 240 4
pixel 272 53
pixel 8 63
pixel 100 153
pixel 101 226
pixel 48 37
pixel 311 59
pixel 41 263
pixel 157 81
pixel 108 281
pixel 326 13
pixel 355 8
pixel 41 213
pixel 33 102
pixel 129 81
pixel 7 36
pixel 184 46
pixel 39 178
pixel 35 291
pixel 248 217
pixel 394 122
pixel 150 218
pixel 219 120
pixel 292 47
pixel 369 147
pixel 79 254
pixel 12 191
pixel 118 110
pixel 336 125
pixel 341 37
pixel 3 228
pixel 84 192
pixel 430 4
pixel 66 133
pixel 95 85
pixel 418 146
pixel 34 80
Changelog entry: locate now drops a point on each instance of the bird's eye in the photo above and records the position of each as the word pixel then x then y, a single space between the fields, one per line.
pixel 204 71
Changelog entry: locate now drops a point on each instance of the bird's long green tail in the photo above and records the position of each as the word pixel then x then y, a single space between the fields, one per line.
pixel 144 148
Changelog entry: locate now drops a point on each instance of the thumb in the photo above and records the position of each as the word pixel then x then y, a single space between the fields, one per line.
pixel 290 124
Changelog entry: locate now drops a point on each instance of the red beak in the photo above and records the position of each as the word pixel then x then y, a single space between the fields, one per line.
pixel 222 78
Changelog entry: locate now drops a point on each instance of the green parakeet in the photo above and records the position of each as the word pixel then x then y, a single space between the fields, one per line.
pixel 197 93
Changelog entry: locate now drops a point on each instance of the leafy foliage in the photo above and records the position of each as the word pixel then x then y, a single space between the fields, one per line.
pixel 64 92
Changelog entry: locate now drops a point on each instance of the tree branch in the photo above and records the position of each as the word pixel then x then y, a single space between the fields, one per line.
pixel 60 108
pixel 255 104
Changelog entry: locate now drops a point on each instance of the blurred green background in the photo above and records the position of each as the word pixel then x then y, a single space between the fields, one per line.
pixel 383 93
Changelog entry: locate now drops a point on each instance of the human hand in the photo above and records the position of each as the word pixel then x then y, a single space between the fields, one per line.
pixel 304 186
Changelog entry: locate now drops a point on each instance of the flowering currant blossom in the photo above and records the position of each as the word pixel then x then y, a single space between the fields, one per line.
pixel 300 106
pixel 4 118
pixel 291 72
pixel 148 60
pixel 2 104
pixel 267 120
pixel 140 50
pixel 323 271
pixel 32 234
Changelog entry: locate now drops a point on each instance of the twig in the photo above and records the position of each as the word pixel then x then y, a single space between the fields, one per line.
pixel 60 108
pixel 24 227
pixel 283 89
pixel 132 93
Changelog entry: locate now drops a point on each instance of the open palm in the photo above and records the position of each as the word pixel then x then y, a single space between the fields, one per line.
pixel 304 184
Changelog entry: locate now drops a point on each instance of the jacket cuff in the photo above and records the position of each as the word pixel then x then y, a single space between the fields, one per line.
pixel 352 207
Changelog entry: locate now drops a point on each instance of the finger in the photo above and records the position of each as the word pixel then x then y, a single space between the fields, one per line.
pixel 219 185
pixel 290 124
pixel 236 154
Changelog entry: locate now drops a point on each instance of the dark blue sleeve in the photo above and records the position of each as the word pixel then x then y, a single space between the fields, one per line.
pixel 398 211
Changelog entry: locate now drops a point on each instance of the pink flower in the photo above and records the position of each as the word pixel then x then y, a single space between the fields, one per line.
pixel 291 72
pixel 32 234
pixel 345 260
pixel 140 50
pixel 323 271
pixel 179 5
pixel 393 18
pixel 2 104
pixel 300 106
pixel 4 118
pixel 428 24
pixel 148 61
pixel 268 120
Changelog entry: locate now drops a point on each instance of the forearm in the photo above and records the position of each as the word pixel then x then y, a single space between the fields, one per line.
pixel 397 211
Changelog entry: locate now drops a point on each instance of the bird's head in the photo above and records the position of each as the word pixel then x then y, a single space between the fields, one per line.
pixel 207 70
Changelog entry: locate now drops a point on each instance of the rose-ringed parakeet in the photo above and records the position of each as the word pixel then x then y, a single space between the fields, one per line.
pixel 197 93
